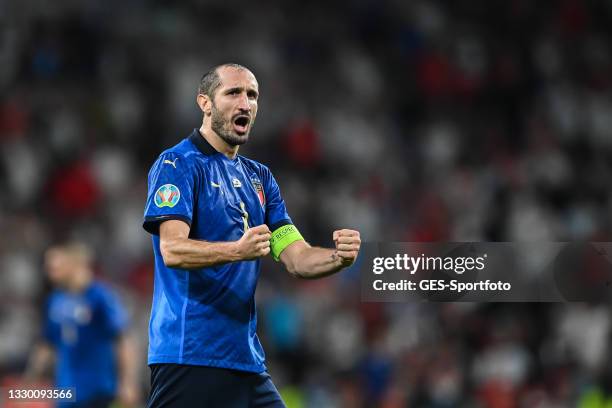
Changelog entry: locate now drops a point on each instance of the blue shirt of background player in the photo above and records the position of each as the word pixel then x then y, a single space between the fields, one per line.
pixel 83 328
pixel 207 316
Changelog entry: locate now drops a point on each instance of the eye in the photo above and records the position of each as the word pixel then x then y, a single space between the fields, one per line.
pixel 252 94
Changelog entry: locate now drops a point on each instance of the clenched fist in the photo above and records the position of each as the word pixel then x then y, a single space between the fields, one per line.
pixel 255 243
pixel 347 243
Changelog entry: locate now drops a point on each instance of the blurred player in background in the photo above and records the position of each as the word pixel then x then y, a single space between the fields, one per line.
pixel 86 330
pixel 213 215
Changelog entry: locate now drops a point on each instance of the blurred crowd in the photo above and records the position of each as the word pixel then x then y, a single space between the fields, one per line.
pixel 483 120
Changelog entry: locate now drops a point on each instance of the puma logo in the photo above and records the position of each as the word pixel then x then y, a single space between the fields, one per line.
pixel 173 163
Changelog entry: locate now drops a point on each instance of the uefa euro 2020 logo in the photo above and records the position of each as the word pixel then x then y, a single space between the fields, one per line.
pixel 167 196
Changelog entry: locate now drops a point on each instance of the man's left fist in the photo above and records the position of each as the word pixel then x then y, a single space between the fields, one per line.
pixel 347 243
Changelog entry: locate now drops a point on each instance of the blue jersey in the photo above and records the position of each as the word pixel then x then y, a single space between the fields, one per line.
pixel 83 327
pixel 207 316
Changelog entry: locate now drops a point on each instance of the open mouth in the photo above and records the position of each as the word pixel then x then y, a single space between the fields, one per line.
pixel 241 124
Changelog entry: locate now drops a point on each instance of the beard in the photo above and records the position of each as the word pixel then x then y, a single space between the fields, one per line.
pixel 224 129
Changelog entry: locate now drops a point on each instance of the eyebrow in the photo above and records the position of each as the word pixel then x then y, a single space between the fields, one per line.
pixel 240 89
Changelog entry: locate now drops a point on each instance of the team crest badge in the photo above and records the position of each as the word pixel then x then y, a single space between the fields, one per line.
pixel 260 191
pixel 167 196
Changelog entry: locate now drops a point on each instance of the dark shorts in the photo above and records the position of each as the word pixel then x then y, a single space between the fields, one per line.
pixel 181 386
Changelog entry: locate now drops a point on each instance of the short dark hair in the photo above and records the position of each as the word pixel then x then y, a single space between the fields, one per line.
pixel 210 81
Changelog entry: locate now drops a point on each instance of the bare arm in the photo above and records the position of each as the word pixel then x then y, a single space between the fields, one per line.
pixel 39 362
pixel 127 359
pixel 179 251
pixel 305 261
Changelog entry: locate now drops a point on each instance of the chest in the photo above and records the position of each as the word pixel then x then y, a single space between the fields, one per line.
pixel 73 310
pixel 72 317
pixel 231 199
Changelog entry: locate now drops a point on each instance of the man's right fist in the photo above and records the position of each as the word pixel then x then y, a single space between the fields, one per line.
pixel 255 243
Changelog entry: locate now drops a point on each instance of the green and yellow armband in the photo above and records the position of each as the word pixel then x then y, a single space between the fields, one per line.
pixel 282 237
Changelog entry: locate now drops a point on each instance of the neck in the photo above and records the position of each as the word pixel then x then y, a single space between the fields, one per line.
pixel 219 144
pixel 80 281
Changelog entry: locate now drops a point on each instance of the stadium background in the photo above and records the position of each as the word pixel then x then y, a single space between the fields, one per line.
pixel 410 121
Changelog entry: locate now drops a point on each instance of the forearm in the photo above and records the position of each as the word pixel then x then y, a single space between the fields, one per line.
pixel 185 253
pixel 39 362
pixel 314 262
pixel 179 251
pixel 127 359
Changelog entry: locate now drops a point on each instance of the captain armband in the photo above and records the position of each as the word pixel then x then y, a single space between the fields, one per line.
pixel 282 237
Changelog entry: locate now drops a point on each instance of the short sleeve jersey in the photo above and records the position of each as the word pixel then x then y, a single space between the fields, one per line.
pixel 207 316
pixel 83 328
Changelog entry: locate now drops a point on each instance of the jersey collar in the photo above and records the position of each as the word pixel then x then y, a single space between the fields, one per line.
pixel 202 144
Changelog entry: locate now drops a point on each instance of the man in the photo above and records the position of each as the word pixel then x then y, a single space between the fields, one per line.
pixel 213 215
pixel 86 329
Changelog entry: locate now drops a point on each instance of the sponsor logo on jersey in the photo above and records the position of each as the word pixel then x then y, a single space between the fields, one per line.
pixel 172 162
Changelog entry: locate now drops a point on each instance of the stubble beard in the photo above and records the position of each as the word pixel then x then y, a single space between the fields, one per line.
pixel 220 126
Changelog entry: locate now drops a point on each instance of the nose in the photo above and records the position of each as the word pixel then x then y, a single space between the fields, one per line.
pixel 243 103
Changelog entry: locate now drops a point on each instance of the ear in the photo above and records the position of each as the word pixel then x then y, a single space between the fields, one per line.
pixel 204 103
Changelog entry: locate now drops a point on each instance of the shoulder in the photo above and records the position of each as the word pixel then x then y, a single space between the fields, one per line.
pixel 99 287
pixel 54 303
pixel 184 151
pixel 182 156
pixel 101 291
pixel 53 297
pixel 255 166
pixel 262 173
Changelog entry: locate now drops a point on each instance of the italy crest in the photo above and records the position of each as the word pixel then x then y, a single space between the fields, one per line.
pixel 260 191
